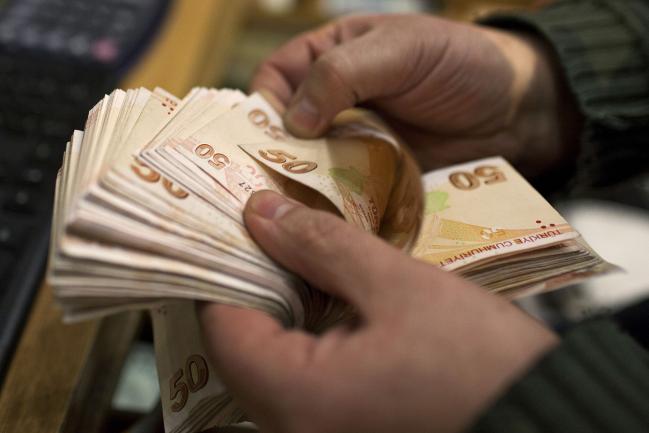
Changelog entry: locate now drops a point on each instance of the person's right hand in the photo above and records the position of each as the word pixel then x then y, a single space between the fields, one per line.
pixel 454 91
pixel 429 352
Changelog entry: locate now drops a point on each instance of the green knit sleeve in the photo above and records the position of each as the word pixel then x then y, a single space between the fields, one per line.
pixel 597 380
pixel 603 49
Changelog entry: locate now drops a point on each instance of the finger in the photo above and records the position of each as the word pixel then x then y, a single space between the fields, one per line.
pixel 369 67
pixel 327 252
pixel 254 355
pixel 283 71
pixel 273 100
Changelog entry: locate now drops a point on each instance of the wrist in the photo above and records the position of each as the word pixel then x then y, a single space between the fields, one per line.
pixel 548 122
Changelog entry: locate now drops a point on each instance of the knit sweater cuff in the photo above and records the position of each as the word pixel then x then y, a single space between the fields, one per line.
pixel 597 380
pixel 604 53
pixel 603 49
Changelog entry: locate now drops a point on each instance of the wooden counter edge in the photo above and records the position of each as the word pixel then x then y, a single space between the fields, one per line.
pixel 45 369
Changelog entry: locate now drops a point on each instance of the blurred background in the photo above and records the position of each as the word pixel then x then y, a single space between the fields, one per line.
pixel 58 57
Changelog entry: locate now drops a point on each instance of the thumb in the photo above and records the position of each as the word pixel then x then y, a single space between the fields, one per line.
pixel 326 251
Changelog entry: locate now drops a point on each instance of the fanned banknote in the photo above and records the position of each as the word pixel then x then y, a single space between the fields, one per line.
pixel 148 214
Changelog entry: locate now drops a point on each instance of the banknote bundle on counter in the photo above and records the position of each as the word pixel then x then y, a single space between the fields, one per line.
pixel 148 214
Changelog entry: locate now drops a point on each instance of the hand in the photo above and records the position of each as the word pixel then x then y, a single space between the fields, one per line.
pixel 430 352
pixel 453 91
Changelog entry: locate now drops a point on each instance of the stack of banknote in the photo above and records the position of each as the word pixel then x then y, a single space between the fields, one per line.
pixel 148 214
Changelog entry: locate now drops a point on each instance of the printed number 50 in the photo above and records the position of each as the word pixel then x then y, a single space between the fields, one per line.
pixel 467 181
pixel 282 157
pixel 196 372
pixel 147 174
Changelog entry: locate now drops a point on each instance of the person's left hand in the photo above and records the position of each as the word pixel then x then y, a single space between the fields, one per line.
pixel 430 352
pixel 453 91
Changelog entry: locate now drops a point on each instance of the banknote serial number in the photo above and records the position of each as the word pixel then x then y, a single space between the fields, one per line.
pixel 288 161
pixel 484 174
pixel 147 174
pixel 187 381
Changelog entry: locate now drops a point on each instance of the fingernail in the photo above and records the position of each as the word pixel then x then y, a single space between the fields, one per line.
pixel 303 115
pixel 269 205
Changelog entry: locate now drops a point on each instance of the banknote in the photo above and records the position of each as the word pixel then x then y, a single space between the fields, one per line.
pixel 148 215
pixel 483 220
pixel 192 396
pixel 483 209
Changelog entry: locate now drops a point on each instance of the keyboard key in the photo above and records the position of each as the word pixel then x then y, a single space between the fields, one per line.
pixel 78 91
pixel 105 50
pixel 54 128
pixel 32 176
pixel 23 200
pixel 12 235
pixel 79 45
pixel 43 152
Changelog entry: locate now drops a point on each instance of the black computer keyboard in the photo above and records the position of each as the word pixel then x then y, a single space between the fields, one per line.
pixel 57 59
pixel 27 169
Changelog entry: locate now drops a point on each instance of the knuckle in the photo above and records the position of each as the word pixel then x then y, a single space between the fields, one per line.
pixel 329 68
pixel 334 72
